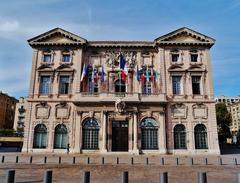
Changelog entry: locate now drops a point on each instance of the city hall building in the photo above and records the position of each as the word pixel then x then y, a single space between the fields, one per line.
pixel 136 97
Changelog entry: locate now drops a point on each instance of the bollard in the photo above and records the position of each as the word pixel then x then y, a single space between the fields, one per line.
pixel 132 162
pixel 86 177
pixel 206 161
pixel 10 176
pixel 177 161
pixel 117 160
pixel 88 160
pixel 48 176
pixel 59 160
pixel 202 177
pixel 31 159
pixel 16 159
pixel 236 162
pixel 163 161
pixel 220 161
pixel 45 159
pixel 147 160
pixel 192 161
pixel 124 177
pixel 164 177
pixel 103 160
pixel 3 158
pixel 74 160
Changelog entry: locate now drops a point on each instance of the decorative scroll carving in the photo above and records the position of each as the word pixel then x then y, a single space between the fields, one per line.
pixel 112 58
pixel 200 111
pixel 42 111
pixel 120 106
pixel 62 111
pixel 179 111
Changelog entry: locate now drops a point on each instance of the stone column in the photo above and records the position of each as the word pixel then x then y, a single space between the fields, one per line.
pixel 135 133
pixel 162 133
pixel 104 132
pixel 77 133
pixel 50 137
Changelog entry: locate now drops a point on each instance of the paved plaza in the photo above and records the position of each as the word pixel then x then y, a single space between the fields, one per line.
pixel 107 169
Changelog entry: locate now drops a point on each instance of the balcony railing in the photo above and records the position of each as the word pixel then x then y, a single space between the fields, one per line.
pixel 112 96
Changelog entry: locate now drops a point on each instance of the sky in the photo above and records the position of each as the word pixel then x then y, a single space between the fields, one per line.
pixel 144 20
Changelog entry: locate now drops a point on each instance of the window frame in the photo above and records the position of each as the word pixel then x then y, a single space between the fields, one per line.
pixel 180 85
pixel 199 83
pixel 60 85
pixel 49 85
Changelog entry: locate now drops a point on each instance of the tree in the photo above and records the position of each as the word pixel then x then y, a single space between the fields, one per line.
pixel 224 119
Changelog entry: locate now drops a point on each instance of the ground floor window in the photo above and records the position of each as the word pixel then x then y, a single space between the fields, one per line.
pixel 60 137
pixel 200 134
pixel 179 137
pixel 40 135
pixel 90 133
pixel 149 134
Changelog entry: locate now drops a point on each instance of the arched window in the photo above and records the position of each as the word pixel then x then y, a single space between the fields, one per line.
pixel 149 133
pixel 179 137
pixel 200 133
pixel 60 137
pixel 40 135
pixel 120 86
pixel 90 133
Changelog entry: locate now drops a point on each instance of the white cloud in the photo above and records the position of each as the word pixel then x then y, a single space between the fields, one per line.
pixel 9 26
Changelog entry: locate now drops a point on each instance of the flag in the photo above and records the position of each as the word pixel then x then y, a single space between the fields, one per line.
pixel 143 78
pixel 123 75
pixel 83 72
pixel 156 76
pixel 125 70
pixel 92 73
pixel 122 62
pixel 137 74
pixel 147 74
pixel 102 74
pixel 96 78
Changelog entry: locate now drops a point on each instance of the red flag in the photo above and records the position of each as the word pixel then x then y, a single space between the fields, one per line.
pixel 152 77
pixel 123 75
pixel 142 77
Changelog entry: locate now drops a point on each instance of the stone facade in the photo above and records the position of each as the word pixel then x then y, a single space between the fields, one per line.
pixel 7 110
pixel 234 109
pixel 165 84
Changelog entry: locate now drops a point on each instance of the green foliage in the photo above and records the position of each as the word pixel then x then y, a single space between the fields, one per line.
pixel 7 132
pixel 224 120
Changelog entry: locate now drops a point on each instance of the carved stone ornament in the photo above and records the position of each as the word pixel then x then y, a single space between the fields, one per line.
pixel 113 58
pixel 120 106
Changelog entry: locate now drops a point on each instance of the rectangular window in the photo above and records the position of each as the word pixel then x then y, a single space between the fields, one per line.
pixel 194 57
pixel 64 84
pixel 147 88
pixel 45 85
pixel 175 57
pixel 66 58
pixel 196 85
pixel 93 87
pixel 176 85
pixel 47 58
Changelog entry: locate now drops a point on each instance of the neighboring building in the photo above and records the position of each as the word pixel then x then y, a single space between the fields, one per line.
pixel 121 96
pixel 227 99
pixel 20 115
pixel 7 110
pixel 234 109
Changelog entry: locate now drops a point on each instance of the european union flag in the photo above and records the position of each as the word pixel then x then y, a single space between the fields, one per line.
pixel 102 74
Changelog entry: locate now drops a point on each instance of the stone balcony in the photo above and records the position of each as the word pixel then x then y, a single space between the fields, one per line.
pixel 112 97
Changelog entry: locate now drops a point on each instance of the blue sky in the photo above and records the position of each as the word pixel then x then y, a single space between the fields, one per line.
pixel 118 20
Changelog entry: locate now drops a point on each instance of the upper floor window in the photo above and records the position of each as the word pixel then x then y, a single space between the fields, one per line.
pixel 120 86
pixel 45 85
pixel 194 56
pixel 176 85
pixel 66 58
pixel 196 88
pixel 147 88
pixel 175 56
pixel 64 84
pixel 47 58
pixel 93 86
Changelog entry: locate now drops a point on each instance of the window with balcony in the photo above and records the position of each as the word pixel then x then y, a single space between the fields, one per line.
pixel 120 86
pixel 64 85
pixel 147 88
pixel 176 85
pixel 45 83
pixel 93 86
pixel 196 87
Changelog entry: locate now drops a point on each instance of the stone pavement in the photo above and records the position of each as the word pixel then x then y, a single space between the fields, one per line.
pixel 145 169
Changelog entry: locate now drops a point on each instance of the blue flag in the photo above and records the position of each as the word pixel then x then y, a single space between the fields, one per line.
pixel 122 62
pixel 137 74
pixel 92 73
pixel 102 74
pixel 147 74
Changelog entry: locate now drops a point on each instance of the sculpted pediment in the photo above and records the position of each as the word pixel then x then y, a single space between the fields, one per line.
pixel 185 36
pixel 57 36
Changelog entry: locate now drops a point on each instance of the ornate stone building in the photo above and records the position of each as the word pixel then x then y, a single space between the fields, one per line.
pixel 121 96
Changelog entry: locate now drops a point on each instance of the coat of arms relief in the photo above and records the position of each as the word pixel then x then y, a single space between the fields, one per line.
pixel 113 58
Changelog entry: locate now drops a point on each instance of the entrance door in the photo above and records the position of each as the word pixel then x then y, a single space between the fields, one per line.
pixel 119 136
